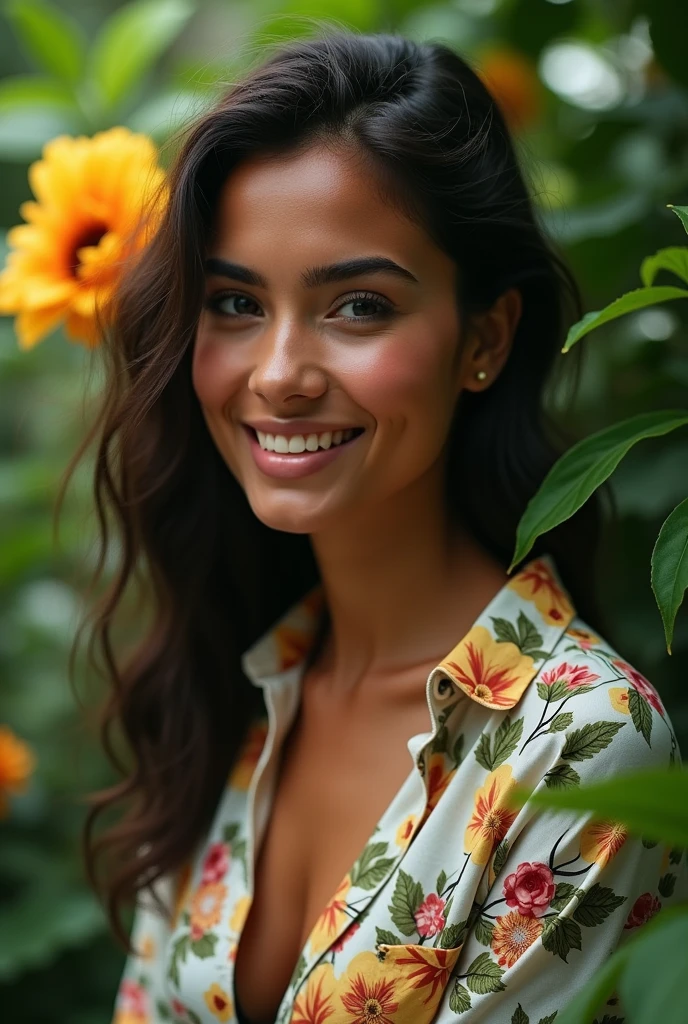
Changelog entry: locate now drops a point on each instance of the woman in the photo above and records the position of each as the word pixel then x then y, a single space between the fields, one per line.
pixel 323 423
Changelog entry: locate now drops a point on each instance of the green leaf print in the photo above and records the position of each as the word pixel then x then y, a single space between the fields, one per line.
pixel 369 870
pixel 562 776
pixel 524 635
pixel 193 1017
pixel 500 855
pixel 439 744
pixel 641 714
pixel 205 946
pixel 408 896
pixel 387 938
pixel 560 935
pixel 459 999
pixel 666 885
pixel 556 692
pixel 506 739
pixel 453 935
pixel 549 1019
pixel 163 1011
pixel 457 752
pixel 483 931
pixel 441 881
pixel 179 951
pixel 596 905
pixel 563 895
pixel 582 744
pixel 675 855
pixel 561 722
pixel 484 975
pixel 519 1016
pixel 231 831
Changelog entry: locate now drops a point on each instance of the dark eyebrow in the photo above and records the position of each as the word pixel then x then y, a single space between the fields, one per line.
pixel 314 276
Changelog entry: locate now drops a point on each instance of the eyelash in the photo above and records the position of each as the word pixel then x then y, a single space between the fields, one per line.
pixel 212 303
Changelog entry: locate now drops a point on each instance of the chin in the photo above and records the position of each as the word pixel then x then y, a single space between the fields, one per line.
pixel 282 516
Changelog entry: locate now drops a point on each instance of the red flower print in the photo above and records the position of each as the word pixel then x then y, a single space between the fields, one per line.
pixel 196 933
pixel 530 889
pixel 133 999
pixel 178 1007
pixel 216 863
pixel 641 684
pixel 370 1002
pixel 429 917
pixel 645 907
pixel 573 675
pixel 338 946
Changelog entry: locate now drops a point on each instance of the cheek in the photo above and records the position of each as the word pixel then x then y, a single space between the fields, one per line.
pixel 215 375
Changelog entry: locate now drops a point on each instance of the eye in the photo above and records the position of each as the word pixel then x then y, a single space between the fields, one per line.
pixel 219 304
pixel 361 303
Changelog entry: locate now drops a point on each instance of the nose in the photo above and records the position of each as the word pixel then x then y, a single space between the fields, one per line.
pixel 287 364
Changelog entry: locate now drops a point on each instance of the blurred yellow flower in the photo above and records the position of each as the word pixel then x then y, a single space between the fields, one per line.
pixel 98 202
pixel 16 765
pixel 514 84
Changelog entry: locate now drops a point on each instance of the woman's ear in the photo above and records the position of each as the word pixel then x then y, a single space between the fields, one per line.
pixel 491 338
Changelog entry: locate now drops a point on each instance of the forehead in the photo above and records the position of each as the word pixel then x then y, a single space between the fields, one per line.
pixel 321 197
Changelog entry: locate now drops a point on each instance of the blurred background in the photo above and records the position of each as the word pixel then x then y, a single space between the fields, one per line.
pixel 597 94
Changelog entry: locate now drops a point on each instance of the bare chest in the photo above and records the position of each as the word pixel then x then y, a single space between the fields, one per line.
pixel 336 778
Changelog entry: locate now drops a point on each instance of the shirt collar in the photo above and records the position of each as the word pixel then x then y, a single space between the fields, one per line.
pixel 492 664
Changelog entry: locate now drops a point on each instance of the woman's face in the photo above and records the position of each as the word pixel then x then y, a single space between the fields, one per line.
pixel 298 347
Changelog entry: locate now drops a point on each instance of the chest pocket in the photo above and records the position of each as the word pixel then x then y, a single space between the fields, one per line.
pixel 403 984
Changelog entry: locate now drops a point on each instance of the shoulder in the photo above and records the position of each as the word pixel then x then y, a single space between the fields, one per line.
pixel 599 712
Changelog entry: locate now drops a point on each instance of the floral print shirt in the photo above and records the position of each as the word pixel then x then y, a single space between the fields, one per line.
pixel 459 909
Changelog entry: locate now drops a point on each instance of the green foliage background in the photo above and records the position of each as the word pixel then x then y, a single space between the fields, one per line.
pixel 609 152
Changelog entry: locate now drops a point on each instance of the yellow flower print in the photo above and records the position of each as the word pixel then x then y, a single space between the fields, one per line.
pixel 492 817
pixel 618 697
pixel 584 637
pixel 512 935
pixel 242 772
pixel 368 996
pixel 601 841
pixel 495 674
pixel 537 583
pixel 334 915
pixel 405 830
pixel 206 906
pixel 218 1002
pixel 240 913
pixel 147 948
pixel 315 1002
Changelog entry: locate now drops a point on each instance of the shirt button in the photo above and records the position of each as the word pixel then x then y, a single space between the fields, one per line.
pixel 443 689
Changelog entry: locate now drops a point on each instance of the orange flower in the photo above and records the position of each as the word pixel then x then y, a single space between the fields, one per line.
pixel 438 780
pixel 218 1002
pixel 369 1000
pixel 514 84
pixel 314 1003
pixel 512 935
pixel 206 906
pixel 328 925
pixel 536 583
pixel 430 968
pixel 618 697
pixel 601 841
pixel 584 637
pixel 242 772
pixel 492 816
pixel 93 198
pixel 495 674
pixel 17 762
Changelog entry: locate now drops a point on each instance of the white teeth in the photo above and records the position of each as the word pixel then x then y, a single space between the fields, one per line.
pixel 297 443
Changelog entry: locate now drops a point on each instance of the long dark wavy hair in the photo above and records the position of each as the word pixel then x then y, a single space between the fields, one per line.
pixel 169 510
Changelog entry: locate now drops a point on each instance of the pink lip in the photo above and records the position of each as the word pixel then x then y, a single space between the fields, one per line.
pixel 291 467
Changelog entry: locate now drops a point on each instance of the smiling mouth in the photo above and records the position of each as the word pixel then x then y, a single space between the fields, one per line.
pixel 298 444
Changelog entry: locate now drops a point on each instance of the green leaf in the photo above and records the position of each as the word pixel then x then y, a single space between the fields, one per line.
pixel 561 722
pixel 484 975
pixel 661 957
pixel 562 776
pixel 131 41
pixel 519 1016
pixel 459 999
pixel 560 935
pixel 483 752
pixel 639 298
pixel 50 38
pixel 674 259
pixel 457 752
pixel 666 885
pixel 500 855
pixel 563 895
pixel 596 905
pixel 441 881
pixel 407 897
pixel 681 212
pixel 584 743
pixel 595 993
pixel 506 739
pixel 530 638
pixel 205 946
pixel 387 938
pixel 179 952
pixel 453 935
pixel 641 713
pixel 365 862
pixel 21 91
pixel 581 470
pixel 505 631
pixel 163 1011
pixel 652 803
pixel 549 1019
pixel 675 855
pixel 483 931
pixel 669 574
pixel 230 832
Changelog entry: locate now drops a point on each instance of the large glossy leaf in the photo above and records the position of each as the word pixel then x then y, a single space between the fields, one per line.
pixel 52 39
pixel 592 996
pixel 17 92
pixel 652 803
pixel 670 567
pixel 653 981
pixel 682 214
pixel 673 259
pixel 640 298
pixel 581 470
pixel 130 42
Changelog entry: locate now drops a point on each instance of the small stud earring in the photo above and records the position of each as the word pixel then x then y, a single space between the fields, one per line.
pixel 481 375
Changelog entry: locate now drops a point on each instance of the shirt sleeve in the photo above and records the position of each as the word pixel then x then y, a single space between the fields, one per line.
pixel 142 994
pixel 559 894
